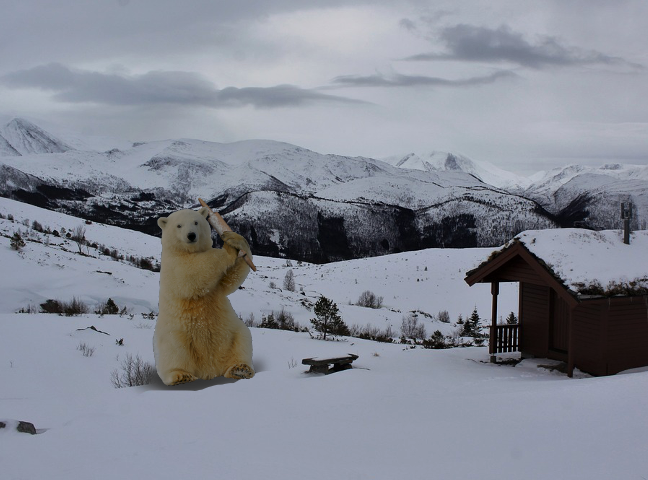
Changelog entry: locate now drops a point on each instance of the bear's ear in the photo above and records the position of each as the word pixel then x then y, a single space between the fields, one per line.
pixel 162 222
pixel 204 211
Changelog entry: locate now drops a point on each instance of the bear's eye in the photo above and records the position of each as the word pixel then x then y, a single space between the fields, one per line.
pixel 179 226
pixel 195 223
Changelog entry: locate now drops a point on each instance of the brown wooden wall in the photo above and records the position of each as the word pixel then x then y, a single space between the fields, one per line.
pixel 627 339
pixel 534 319
pixel 588 333
pixel 559 324
pixel 610 335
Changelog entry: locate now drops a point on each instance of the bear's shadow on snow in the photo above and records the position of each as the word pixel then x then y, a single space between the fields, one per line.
pixel 197 385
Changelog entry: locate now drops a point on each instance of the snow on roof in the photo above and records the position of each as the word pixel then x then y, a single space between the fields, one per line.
pixel 592 263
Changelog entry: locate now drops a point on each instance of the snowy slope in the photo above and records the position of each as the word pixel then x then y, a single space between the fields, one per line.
pixel 49 267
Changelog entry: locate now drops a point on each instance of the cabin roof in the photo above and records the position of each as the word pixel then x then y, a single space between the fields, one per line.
pixel 585 262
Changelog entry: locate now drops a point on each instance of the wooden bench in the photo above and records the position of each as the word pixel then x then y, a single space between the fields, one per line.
pixel 321 365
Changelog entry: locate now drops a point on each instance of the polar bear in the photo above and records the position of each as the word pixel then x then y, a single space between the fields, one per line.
pixel 198 334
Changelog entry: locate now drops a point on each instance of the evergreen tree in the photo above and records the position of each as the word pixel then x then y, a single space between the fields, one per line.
pixel 328 319
pixel 16 241
pixel 436 341
pixel 511 319
pixel 269 321
pixel 111 307
pixel 472 327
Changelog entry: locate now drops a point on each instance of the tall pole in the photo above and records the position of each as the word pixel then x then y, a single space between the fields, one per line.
pixel 493 330
pixel 626 216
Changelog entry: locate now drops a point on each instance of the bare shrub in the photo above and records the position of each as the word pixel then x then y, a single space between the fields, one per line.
pixel 31 308
pixel 75 307
pixel 134 372
pixel 289 281
pixel 37 226
pixel 411 328
pixel 250 321
pixel 85 349
pixel 443 316
pixel 372 332
pixel 369 299
pixel 78 236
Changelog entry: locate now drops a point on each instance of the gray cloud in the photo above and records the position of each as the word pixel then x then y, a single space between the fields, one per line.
pixel 407 24
pixel 472 43
pixel 399 80
pixel 157 88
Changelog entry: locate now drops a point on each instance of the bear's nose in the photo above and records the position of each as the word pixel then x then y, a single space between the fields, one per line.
pixel 191 236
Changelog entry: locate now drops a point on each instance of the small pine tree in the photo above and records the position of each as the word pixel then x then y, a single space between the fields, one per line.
pixel 268 322
pixel 472 327
pixel 289 281
pixel 436 341
pixel 511 319
pixel 328 319
pixel 111 307
pixel 16 242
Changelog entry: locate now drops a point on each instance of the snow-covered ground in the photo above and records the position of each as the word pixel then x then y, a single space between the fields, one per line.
pixel 400 413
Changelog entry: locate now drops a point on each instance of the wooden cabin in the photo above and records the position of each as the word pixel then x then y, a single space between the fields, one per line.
pixel 583 298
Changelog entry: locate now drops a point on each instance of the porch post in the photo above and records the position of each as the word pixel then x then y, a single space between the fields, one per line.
pixel 492 342
pixel 570 347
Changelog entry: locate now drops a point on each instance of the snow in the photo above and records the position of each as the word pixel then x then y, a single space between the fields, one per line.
pixel 399 413
pixel 581 258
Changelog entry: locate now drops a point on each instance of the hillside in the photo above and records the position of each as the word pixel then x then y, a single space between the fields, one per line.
pixel 592 195
pixel 50 267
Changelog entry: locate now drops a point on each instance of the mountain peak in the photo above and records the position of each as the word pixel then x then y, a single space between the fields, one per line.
pixel 451 162
pixel 26 138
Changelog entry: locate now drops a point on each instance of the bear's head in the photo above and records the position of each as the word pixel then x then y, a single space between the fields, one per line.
pixel 186 230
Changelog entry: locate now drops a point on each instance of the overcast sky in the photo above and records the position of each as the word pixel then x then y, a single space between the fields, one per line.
pixel 527 85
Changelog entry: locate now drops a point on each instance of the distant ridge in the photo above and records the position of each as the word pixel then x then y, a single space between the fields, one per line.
pixel 293 202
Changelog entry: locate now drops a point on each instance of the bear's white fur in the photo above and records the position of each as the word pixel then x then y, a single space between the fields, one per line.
pixel 198 334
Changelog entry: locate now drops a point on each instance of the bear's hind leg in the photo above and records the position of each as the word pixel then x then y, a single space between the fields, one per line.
pixel 239 371
pixel 178 376
pixel 240 354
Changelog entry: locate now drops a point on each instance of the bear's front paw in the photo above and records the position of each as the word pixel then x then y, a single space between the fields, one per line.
pixel 176 377
pixel 240 370
pixel 237 242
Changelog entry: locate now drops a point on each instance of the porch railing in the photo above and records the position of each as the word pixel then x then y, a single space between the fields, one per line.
pixel 504 338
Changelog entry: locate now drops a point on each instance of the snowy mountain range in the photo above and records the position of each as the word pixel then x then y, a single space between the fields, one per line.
pixel 290 201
